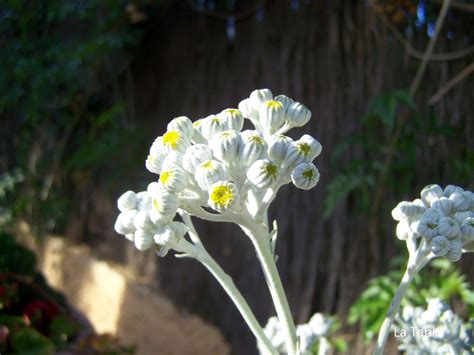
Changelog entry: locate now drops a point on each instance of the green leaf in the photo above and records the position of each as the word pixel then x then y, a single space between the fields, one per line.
pixel 28 341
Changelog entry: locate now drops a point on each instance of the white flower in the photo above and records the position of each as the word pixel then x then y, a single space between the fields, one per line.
pixel 226 145
pixel 448 227
pixel 127 201
pixel 271 115
pixel 142 221
pixel 233 118
pixel 143 239
pixel 124 224
pixel 170 234
pixel 430 194
pixel 144 201
pixel 173 179
pixel 210 172
pixel 182 124
pixel 405 210
pixel 298 115
pixel 175 141
pixel 305 176
pixel 263 173
pixel 223 196
pixel 440 245
pixel 320 325
pixel 212 125
pixel 278 146
pixel 461 216
pixel 253 147
pixel 196 155
pixel 173 159
pixel 307 149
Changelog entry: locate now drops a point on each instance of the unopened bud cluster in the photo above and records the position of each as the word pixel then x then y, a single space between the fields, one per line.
pixel 421 331
pixel 309 334
pixel 444 219
pixel 213 163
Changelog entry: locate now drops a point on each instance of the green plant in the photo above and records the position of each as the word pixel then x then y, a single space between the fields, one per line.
pixel 441 279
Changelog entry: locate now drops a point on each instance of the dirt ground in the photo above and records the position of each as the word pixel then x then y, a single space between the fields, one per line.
pixel 116 303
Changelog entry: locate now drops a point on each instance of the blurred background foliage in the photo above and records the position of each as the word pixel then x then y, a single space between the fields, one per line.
pixel 87 85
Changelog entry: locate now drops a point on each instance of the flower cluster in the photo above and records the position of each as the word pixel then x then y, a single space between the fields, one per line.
pixel 421 331
pixel 212 164
pixel 443 219
pixel 317 331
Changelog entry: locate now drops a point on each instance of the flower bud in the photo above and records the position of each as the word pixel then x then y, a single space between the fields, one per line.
pixel 403 231
pixel 306 150
pixel 226 145
pixel 405 210
pixel 455 250
pixel 467 228
pixel 253 147
pixel 181 124
pixel 297 114
pixel 263 173
pixel 427 226
pixel 305 176
pixel 143 239
pixel 154 162
pixel 124 224
pixel 165 202
pixel 450 189
pixel 127 201
pixel 430 194
pixel 173 179
pixel 213 125
pixel 278 146
pixel 285 101
pixel 439 245
pixel 443 204
pixel 233 118
pixel 197 137
pixel 271 115
pixel 196 155
pixel 448 227
pixel 142 221
pixel 461 201
pixel 258 97
pixel 210 172
pixel 248 111
pixel 173 159
pixel 224 196
pixel 144 201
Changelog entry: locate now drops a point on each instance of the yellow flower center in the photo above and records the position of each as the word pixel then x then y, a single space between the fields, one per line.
pixel 172 139
pixel 166 176
pixel 208 165
pixel 222 196
pixel 215 119
pixel 308 174
pixel 271 170
pixel 155 204
pixel 256 139
pixel 304 148
pixel 232 111
pixel 272 104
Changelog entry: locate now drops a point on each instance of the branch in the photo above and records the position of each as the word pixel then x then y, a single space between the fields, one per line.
pixel 418 54
pixel 457 5
pixel 451 83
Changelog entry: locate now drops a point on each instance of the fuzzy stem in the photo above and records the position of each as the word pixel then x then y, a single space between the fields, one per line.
pixel 199 253
pixel 415 264
pixel 260 239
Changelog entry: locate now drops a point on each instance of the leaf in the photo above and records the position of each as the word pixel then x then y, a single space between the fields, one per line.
pixel 28 341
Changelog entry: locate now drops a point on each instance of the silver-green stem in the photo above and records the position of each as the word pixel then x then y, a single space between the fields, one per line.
pixel 199 253
pixel 261 241
pixel 415 264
